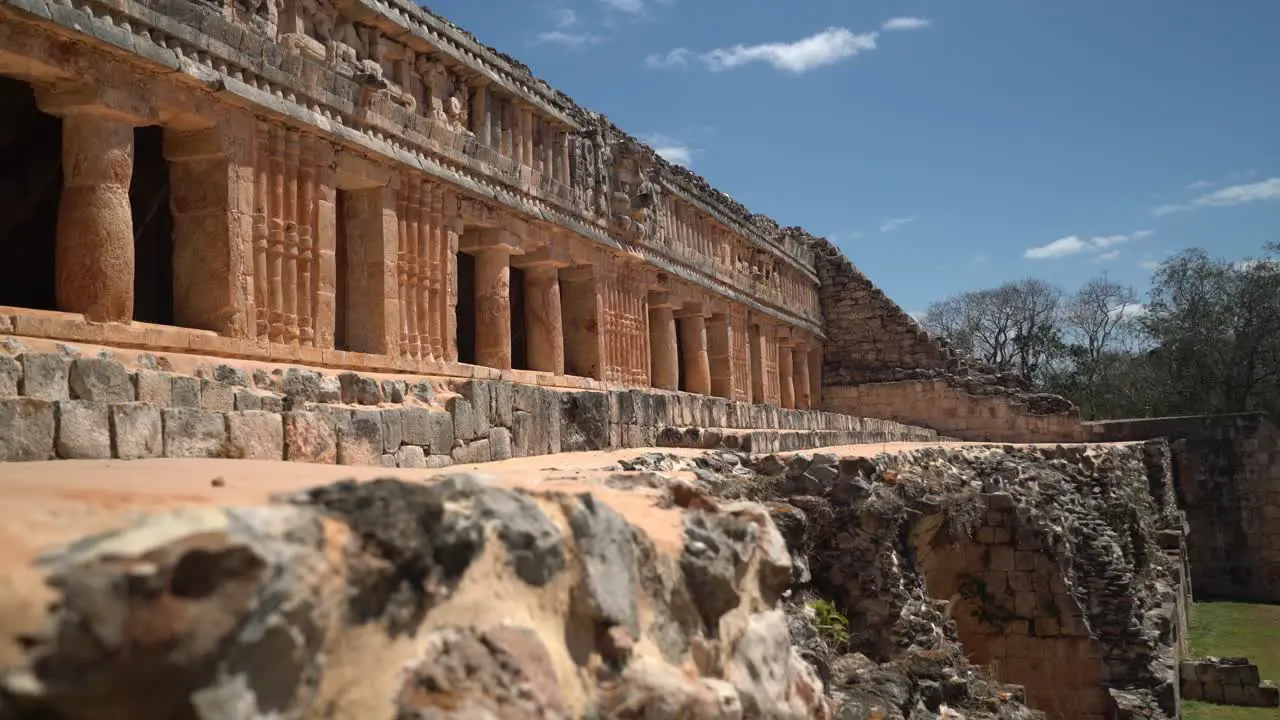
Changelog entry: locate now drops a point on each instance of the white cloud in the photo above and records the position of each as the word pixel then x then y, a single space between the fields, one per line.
pixel 818 50
pixel 671 58
pixel 1129 311
pixel 897 223
pixel 1138 235
pixel 670 149
pixel 1074 245
pixel 1261 191
pixel 634 7
pixel 567 39
pixel 1148 264
pixel 565 18
pixel 1062 247
pixel 906 23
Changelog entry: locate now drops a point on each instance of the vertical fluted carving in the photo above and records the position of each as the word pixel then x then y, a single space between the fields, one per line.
pixel 404 262
pixel 289 275
pixel 306 251
pixel 428 296
pixel 410 241
pixel 261 271
pixel 449 291
pixel 275 218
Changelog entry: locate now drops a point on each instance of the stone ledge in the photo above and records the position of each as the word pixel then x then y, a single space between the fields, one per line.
pixel 1226 681
pixel 60 405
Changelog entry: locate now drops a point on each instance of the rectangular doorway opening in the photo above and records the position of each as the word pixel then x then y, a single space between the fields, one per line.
pixel 681 375
pixel 466 318
pixel 519 327
pixel 757 363
pixel 152 228
pixel 31 185
pixel 341 293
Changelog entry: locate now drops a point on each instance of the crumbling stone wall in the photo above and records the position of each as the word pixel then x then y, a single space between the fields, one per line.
pixel 1045 564
pixel 1227 471
pixel 969 411
pixel 58 405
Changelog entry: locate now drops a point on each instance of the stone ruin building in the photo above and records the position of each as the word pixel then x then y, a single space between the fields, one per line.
pixel 347 233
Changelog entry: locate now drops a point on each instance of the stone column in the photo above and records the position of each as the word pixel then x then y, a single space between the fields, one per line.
pixel 664 362
pixel 480 111
pixel 786 376
pixel 720 355
pixel 543 315
pixel 94 247
pixel 693 340
pixel 755 346
pixel 800 356
pixel 493 308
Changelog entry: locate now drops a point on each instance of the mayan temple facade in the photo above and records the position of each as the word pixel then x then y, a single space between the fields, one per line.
pixel 361 187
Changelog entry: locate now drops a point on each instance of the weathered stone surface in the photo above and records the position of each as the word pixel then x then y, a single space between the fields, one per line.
pixel 393 391
pixel 300 386
pixel 464 419
pixel 411 456
pixel 100 380
pixel 584 421
pixel 360 441
pixel 392 430
pixel 231 375
pixel 10 376
pixel 138 431
pixel 499 443
pixel 44 376
pixel 255 435
pixel 471 453
pixel 216 396
pixel 247 400
pixel 186 391
pixel 84 430
pixel 153 387
pixel 190 433
pixel 310 437
pixel 606 592
pixel 359 389
pixel 26 429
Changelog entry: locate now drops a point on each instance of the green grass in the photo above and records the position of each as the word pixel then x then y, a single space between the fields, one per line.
pixel 1235 629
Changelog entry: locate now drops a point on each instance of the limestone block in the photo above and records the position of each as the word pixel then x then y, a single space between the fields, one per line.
pixel 217 396
pixel 499 443
pixel 100 380
pixel 153 387
pixel 300 386
pixel 441 430
pixel 521 434
pixel 255 435
pixel 310 437
pixel 137 428
pixel 10 376
pixel 393 391
pixel 272 403
pixel 472 453
pixel 44 376
pixel 464 415
pixel 411 456
pixel 231 375
pixel 84 430
pixel 439 461
pixel 479 394
pixel 502 404
pixel 415 426
pixel 388 460
pixel 360 441
pixel 358 389
pixel 186 391
pixel 330 390
pixel 246 400
pixel 191 433
pixel 26 429
pixel 392 430
pixel 584 421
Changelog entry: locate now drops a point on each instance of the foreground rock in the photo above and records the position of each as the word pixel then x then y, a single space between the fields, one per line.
pixel 389 599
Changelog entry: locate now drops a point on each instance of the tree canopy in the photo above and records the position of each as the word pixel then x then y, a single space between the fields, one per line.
pixel 1207 340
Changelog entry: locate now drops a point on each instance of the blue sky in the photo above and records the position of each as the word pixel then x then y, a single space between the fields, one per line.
pixel 945 145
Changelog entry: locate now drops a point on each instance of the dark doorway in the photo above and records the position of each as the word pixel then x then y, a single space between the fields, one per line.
pixel 30 185
pixel 680 374
pixel 466 308
pixel 342 218
pixel 152 228
pixel 519 328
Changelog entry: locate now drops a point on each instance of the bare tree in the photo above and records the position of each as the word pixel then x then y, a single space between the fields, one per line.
pixel 1012 327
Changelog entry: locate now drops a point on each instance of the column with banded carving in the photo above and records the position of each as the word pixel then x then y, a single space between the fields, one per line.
pixel 741 354
pixel 324 247
pixel 408 210
pixel 289 268
pixel 451 229
pixel 306 222
pixel 275 238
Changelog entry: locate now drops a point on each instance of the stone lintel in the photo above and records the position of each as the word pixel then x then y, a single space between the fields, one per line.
pixel 690 310
pixel 546 256
pixel 579 273
pixel 661 299
pixel 204 144
pixel 109 102
pixel 491 240
pixel 356 172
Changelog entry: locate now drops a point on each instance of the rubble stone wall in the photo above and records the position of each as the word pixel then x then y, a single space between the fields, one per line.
pixel 57 406
pixel 956 411
pixel 1227 471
